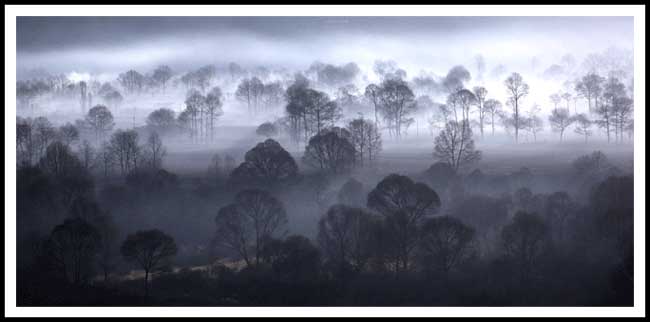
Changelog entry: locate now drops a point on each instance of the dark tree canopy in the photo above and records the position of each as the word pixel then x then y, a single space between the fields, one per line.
pixel 346 236
pixel 148 248
pixel 266 163
pixel 267 129
pixel 330 150
pixel 243 225
pixel 445 242
pixel 100 119
pixel 524 240
pixel 399 193
pixel 162 120
pixel 440 175
pixel 73 246
pixel 293 259
pixel 404 204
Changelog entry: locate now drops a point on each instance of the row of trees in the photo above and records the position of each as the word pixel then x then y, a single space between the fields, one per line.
pixel 86 241
pixel 397 231
pixel 393 228
pixel 200 114
pixel 259 96
pixel 123 150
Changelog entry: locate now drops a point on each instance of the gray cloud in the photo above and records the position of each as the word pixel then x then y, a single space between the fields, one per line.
pixel 111 44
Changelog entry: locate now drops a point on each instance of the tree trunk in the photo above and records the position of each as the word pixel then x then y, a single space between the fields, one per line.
pixel 146 283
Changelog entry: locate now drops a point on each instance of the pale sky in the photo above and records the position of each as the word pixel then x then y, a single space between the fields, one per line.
pixel 115 44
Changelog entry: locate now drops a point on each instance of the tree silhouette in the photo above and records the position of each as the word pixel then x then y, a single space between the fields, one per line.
pixel 148 248
pixel 560 120
pixel 266 163
pixel 365 138
pixel 73 245
pixel 345 235
pixel 445 242
pixel 517 89
pixel 397 102
pixel 161 120
pixel 583 125
pixel 455 145
pixel 523 241
pixel 161 75
pixel 100 119
pixel 244 224
pixel 330 150
pixel 404 204
pixel 267 129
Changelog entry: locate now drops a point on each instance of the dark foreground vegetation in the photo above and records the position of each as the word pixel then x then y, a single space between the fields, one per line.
pixel 434 237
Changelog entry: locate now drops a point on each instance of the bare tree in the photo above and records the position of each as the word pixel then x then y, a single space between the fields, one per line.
pixel 125 150
pixel 250 92
pixel 560 120
pixel 87 155
pixel 404 204
pixel 397 102
pixel 464 99
pixel 194 108
pixel 330 150
pixel 613 91
pixel 372 94
pixel 480 93
pixel 154 151
pixel 43 133
pixel 213 103
pixel 100 119
pixel 244 224
pixel 583 126
pixel 25 142
pixel 310 111
pixel 131 81
pixel 493 107
pixel 73 245
pixel 161 75
pixel 59 160
pixel 622 115
pixel 321 112
pixel 534 123
pixel 68 134
pixel 148 248
pixel 590 86
pixel 445 242
pixel 517 89
pixel 365 138
pixel 455 145
pixel 345 235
